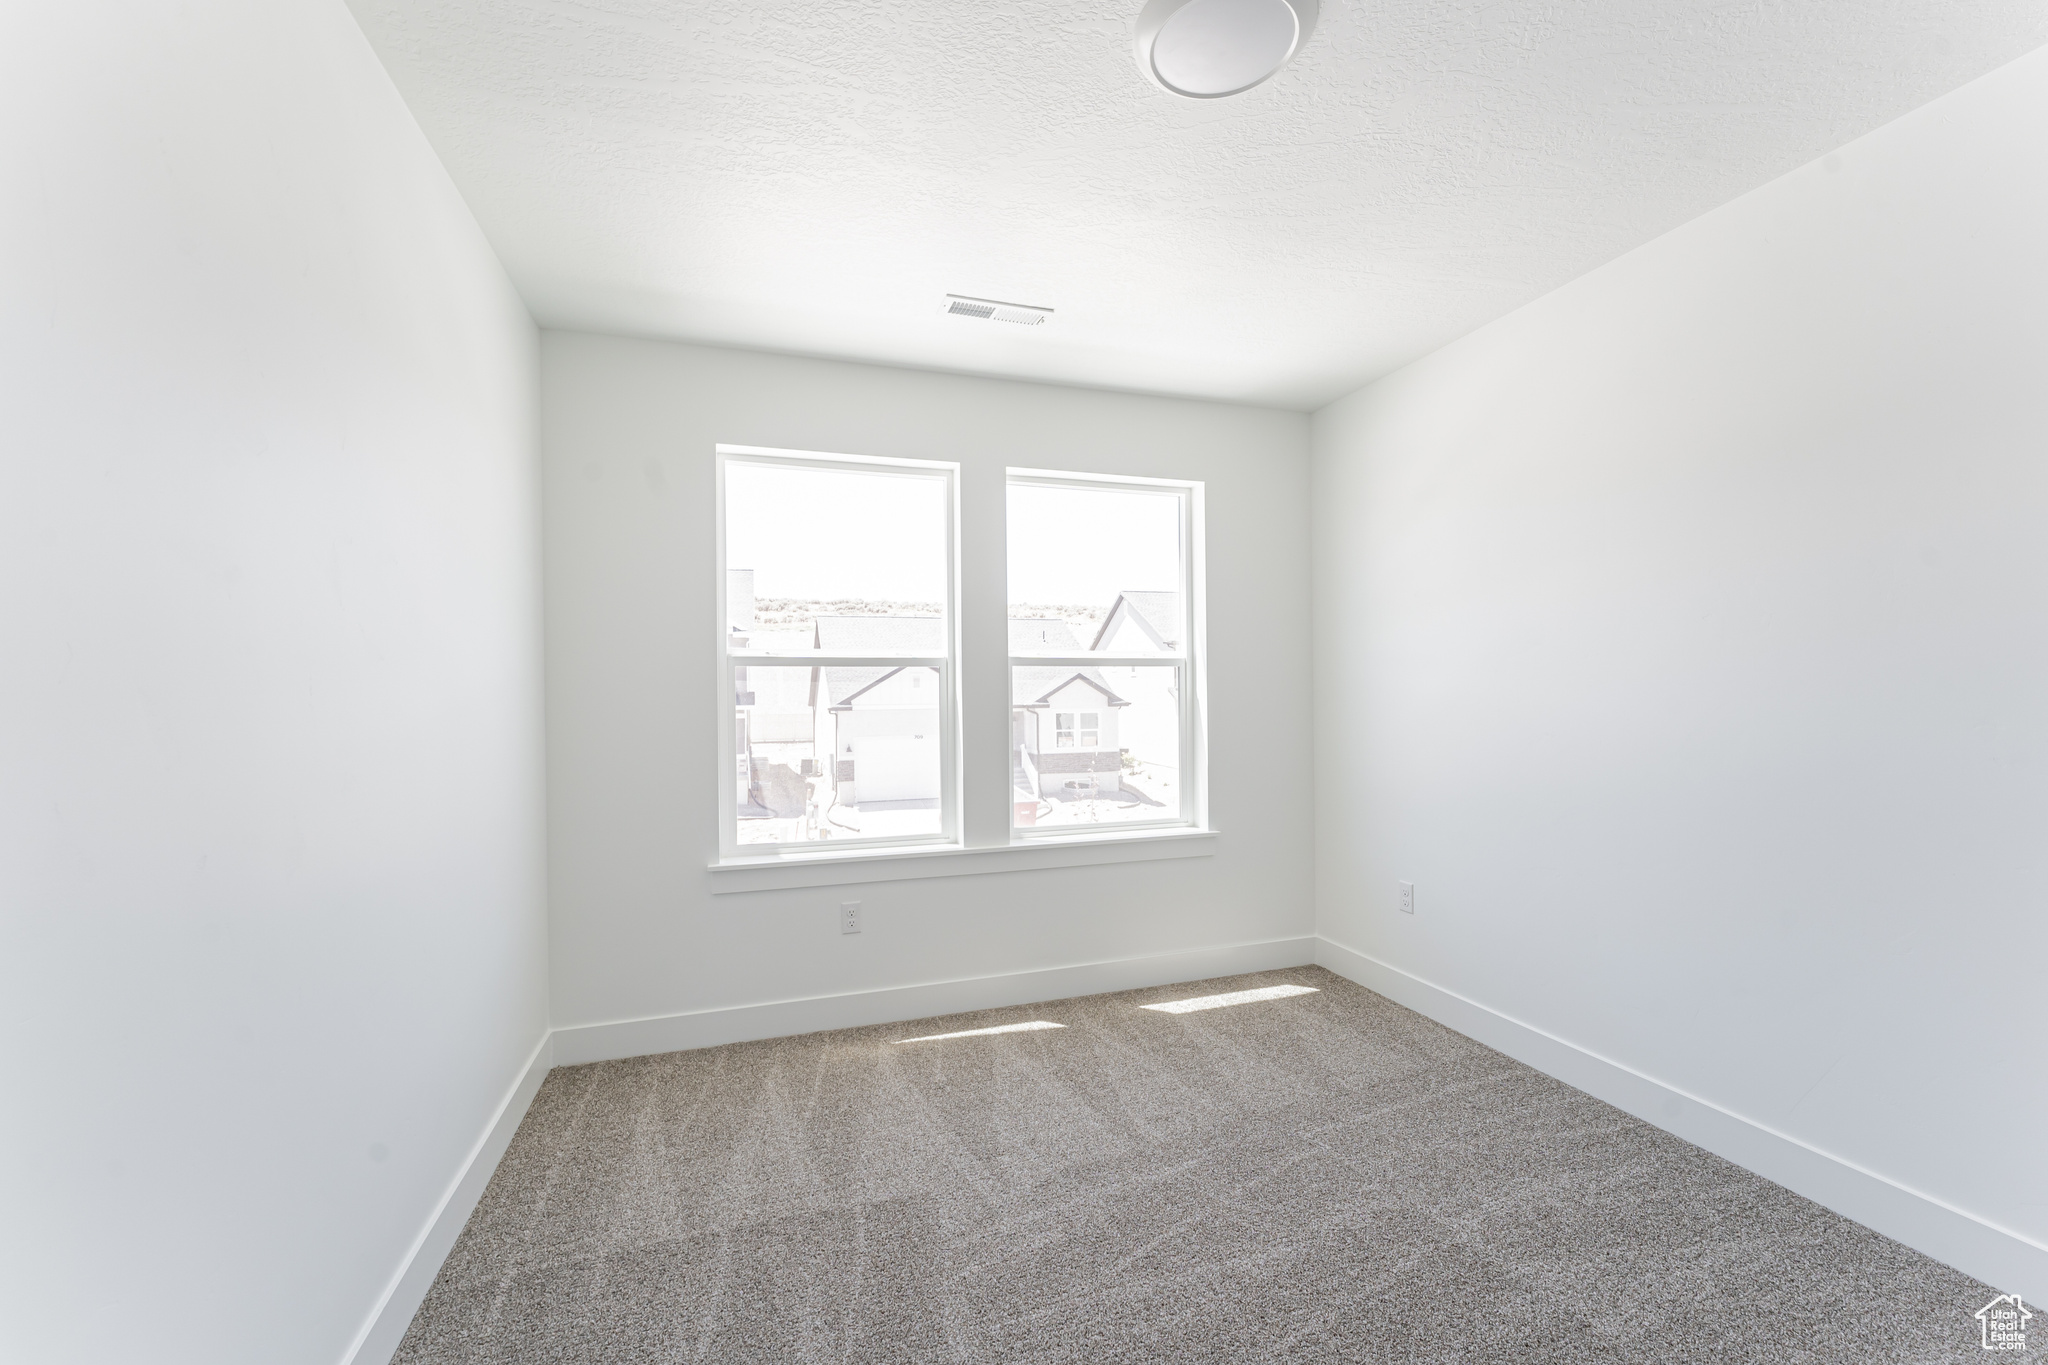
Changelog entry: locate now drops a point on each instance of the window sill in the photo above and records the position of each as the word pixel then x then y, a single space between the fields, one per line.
pixel 901 864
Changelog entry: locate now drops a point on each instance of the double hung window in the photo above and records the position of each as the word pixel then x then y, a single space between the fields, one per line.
pixel 838 645
pixel 1104 729
pixel 839 667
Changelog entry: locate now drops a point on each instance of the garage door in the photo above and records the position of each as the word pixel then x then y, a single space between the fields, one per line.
pixel 896 768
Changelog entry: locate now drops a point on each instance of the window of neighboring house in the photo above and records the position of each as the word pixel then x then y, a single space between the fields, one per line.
pixel 1087 730
pixel 837 638
pixel 1104 577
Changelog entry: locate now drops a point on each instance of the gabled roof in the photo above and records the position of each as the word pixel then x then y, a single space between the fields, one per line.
pixel 1042 635
pixel 845 685
pixel 1035 686
pixel 1157 613
pixel 842 684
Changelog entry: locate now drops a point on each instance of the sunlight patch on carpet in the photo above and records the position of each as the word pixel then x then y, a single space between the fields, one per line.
pixel 1217 1002
pixel 977 1032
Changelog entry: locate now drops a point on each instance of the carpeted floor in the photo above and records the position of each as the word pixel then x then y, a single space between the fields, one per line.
pixel 1324 1177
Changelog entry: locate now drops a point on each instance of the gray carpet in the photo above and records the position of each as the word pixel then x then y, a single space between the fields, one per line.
pixel 1326 1177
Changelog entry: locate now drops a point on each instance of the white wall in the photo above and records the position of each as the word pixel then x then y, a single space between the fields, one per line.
pixel 628 430
pixel 1682 637
pixel 270 867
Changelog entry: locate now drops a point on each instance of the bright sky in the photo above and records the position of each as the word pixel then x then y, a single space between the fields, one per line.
pixel 1085 545
pixel 825 533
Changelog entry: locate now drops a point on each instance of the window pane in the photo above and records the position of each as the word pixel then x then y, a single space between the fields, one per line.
pixel 1120 764
pixel 843 560
pixel 836 753
pixel 1095 569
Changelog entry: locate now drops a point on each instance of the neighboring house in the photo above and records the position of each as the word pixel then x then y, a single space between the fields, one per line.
pixel 878 728
pixel 1077 731
pixel 1064 734
pixel 872 734
pixel 1140 623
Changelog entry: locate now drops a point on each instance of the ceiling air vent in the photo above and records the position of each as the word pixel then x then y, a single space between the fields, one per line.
pixel 960 306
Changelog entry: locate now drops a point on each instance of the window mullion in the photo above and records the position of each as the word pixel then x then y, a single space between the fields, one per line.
pixel 838 661
pixel 1094 660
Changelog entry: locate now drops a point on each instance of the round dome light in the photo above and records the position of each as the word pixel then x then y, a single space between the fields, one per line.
pixel 1206 49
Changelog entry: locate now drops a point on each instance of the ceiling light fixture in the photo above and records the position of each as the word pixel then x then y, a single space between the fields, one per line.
pixel 1206 49
pixel 993 310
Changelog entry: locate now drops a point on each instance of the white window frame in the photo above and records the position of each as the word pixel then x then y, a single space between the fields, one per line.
pixel 1189 680
pixel 947 664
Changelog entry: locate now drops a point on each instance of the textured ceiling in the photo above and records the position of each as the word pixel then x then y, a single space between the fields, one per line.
pixel 813 176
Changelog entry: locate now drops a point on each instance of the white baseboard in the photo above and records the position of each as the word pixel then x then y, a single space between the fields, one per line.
pixel 385 1327
pixel 782 1018
pixel 2012 1262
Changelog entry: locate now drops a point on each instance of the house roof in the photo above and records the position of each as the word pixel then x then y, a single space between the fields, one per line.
pixel 1042 635
pixel 872 635
pixel 1035 686
pixel 880 634
pixel 844 686
pixel 1158 612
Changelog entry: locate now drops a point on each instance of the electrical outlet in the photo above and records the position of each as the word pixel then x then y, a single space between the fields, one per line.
pixel 849 917
pixel 1407 898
